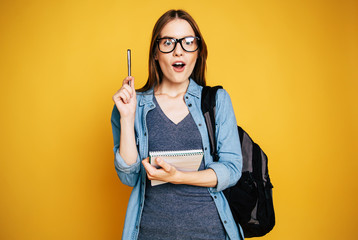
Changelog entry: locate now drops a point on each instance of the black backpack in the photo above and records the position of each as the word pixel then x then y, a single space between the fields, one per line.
pixel 250 199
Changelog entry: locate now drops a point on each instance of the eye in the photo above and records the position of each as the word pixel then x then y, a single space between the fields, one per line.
pixel 167 42
pixel 189 40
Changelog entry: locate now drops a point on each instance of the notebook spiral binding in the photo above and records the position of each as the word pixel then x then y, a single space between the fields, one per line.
pixel 176 153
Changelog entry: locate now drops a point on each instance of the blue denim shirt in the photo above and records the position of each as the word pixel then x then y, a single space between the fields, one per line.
pixel 227 169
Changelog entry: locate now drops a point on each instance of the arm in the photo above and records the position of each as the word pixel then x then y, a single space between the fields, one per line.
pixel 127 146
pixel 127 161
pixel 168 173
pixel 125 100
pixel 228 168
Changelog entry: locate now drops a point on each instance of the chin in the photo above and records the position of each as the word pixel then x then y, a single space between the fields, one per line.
pixel 180 80
pixel 177 79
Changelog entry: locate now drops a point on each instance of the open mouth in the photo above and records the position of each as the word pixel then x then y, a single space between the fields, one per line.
pixel 178 66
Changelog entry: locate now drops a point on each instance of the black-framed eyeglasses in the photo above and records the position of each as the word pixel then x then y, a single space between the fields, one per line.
pixel 167 44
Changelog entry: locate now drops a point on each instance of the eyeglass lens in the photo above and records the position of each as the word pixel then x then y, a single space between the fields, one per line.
pixel 189 44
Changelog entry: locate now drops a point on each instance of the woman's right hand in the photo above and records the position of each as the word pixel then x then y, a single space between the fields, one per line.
pixel 125 98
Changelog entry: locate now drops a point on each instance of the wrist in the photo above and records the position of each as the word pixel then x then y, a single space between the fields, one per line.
pixel 179 177
pixel 127 121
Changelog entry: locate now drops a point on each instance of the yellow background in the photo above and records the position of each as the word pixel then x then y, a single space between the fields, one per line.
pixel 289 66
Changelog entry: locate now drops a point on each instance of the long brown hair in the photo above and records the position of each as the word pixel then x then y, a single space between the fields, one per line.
pixel 155 73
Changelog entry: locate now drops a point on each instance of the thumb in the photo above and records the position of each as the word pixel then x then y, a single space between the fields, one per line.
pixel 131 81
pixel 132 86
pixel 166 166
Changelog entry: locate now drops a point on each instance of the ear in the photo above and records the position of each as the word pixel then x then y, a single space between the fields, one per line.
pixel 156 54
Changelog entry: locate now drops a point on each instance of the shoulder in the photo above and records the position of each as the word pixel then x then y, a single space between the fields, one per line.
pixel 222 97
pixel 222 93
pixel 224 105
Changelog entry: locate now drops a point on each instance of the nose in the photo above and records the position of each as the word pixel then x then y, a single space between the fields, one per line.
pixel 178 51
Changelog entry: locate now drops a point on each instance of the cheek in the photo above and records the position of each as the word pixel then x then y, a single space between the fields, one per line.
pixel 163 64
pixel 194 59
pixel 162 59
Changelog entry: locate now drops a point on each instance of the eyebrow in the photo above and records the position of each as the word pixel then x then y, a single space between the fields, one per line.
pixel 174 37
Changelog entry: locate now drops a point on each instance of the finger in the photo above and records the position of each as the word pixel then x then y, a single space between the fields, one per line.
pixel 115 96
pixel 166 166
pixel 123 97
pixel 145 161
pixel 127 79
pixel 148 167
pixel 132 84
pixel 126 93
pixel 128 89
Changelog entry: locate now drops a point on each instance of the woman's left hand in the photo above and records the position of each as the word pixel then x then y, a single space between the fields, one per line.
pixel 167 173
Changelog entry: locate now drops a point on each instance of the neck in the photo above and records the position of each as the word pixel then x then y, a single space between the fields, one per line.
pixel 171 89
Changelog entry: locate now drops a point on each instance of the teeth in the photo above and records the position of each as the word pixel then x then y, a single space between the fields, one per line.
pixel 178 64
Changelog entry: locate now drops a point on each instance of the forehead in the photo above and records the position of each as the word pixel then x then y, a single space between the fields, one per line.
pixel 177 28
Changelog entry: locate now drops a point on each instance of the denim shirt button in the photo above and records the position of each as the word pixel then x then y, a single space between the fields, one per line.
pixel 189 105
pixel 199 124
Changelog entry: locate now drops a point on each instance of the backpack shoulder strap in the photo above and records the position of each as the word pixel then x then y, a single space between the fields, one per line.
pixel 208 107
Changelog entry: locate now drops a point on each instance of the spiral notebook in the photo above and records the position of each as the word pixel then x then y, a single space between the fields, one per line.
pixel 186 161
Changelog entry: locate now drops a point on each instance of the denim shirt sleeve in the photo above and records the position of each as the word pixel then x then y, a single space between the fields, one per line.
pixel 128 174
pixel 228 168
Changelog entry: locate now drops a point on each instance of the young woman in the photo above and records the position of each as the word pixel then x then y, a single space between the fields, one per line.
pixel 165 115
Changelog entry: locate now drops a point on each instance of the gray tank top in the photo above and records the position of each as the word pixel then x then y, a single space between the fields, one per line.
pixel 177 211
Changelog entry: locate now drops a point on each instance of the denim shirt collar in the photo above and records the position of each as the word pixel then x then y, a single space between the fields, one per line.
pixel 193 89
